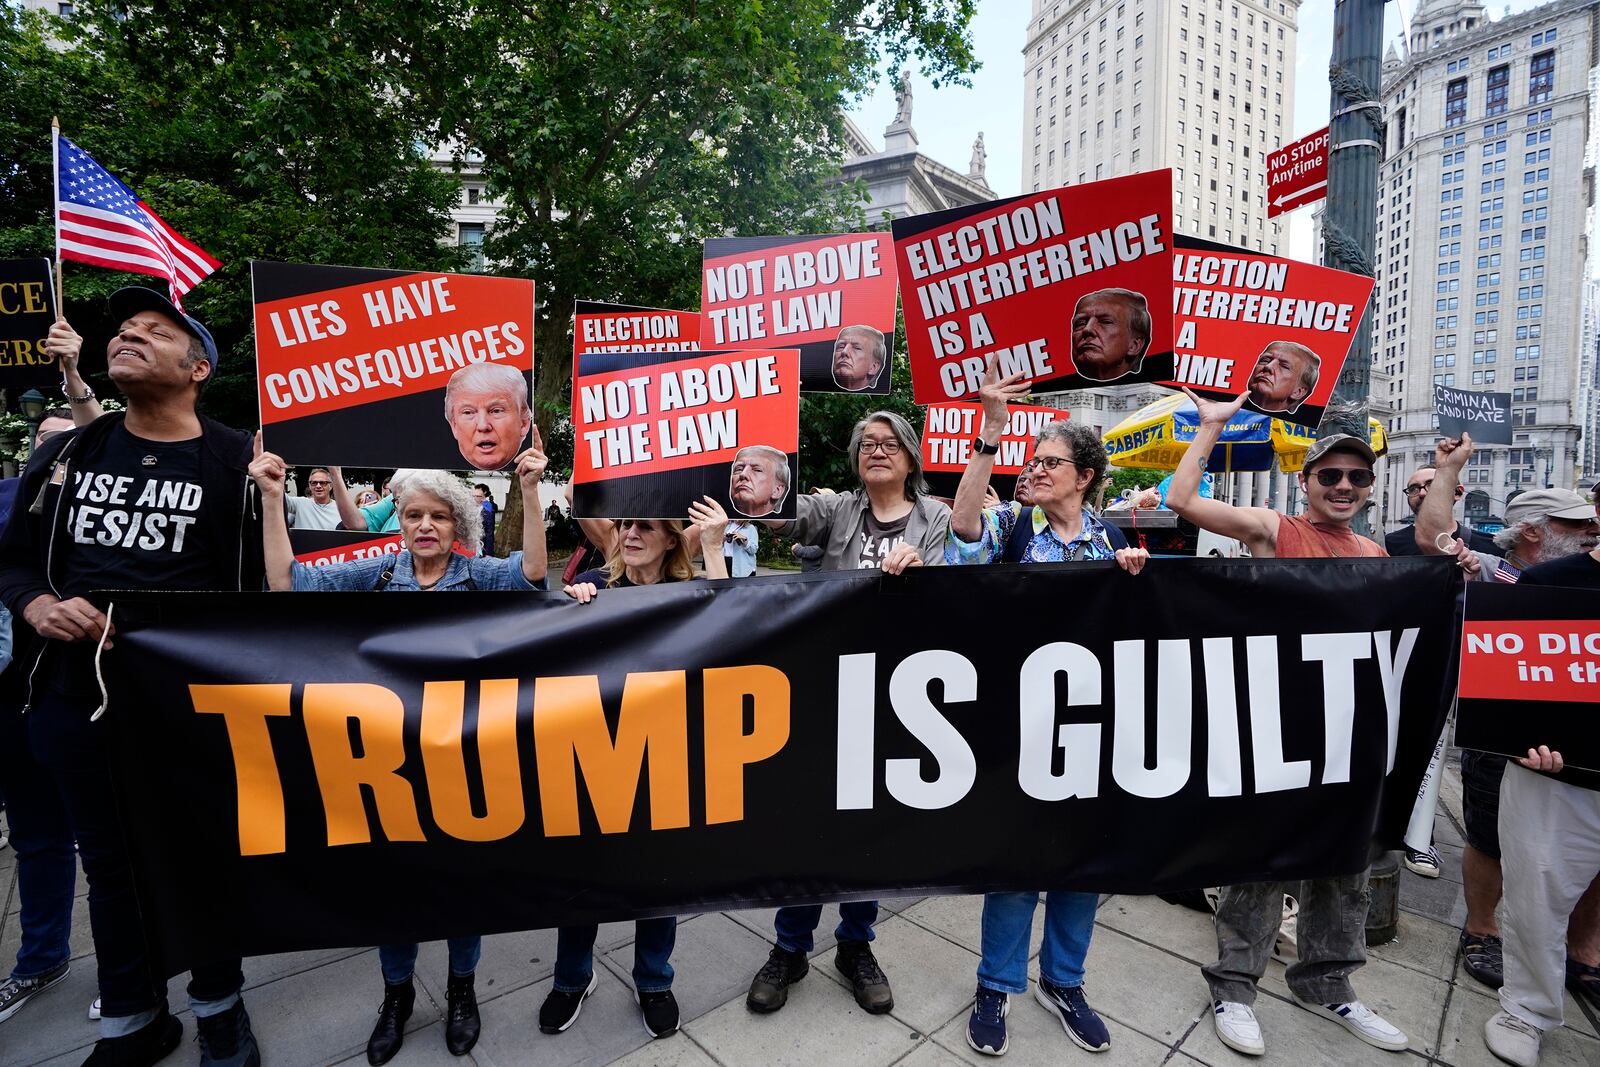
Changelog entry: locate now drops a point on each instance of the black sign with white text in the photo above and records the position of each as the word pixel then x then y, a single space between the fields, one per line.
pixel 1486 416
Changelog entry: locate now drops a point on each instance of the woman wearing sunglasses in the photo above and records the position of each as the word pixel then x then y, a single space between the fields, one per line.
pixel 640 552
pixel 1068 462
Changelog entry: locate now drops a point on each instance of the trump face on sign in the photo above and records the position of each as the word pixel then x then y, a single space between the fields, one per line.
pixel 486 405
pixel 759 480
pixel 1285 374
pixel 1110 333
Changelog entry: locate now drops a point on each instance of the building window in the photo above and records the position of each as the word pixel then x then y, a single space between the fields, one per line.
pixel 1455 103
pixel 1498 99
pixel 470 236
pixel 1541 77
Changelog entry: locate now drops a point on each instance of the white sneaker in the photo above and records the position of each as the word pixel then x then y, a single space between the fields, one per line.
pixel 94 1011
pixel 1512 1039
pixel 1237 1027
pixel 1360 1020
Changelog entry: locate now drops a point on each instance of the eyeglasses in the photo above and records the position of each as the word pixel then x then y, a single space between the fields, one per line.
pixel 890 447
pixel 321 485
pixel 1421 487
pixel 1048 463
pixel 1360 477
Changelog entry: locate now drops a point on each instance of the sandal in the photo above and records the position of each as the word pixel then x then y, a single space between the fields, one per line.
pixel 1584 981
pixel 1483 957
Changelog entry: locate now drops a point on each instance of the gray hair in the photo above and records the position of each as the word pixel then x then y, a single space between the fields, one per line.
pixel 781 473
pixel 910 444
pixel 1509 537
pixel 1087 450
pixel 488 378
pixel 450 489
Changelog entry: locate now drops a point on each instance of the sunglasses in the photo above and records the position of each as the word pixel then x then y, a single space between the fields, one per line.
pixel 1360 477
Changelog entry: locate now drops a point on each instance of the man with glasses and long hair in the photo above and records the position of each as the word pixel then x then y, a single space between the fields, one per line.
pixel 1337 481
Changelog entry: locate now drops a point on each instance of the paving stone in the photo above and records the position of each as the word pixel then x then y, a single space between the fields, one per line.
pixel 423 1048
pixel 1144 988
pixel 930 1055
pixel 1436 898
pixel 675 1051
pixel 932 977
pixel 260 970
pixel 1421 944
pixel 1576 1018
pixel 821 1024
pixel 1409 1000
pixel 1463 1045
pixel 707 963
pixel 960 919
pixel 1037 1040
pixel 1295 1038
pixel 896 905
pixel 1176 929
pixel 608 1028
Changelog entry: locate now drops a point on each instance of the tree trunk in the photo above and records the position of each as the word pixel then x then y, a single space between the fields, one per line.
pixel 508 531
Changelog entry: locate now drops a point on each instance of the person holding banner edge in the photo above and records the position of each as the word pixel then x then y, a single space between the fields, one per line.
pixel 1331 927
pixel 890 523
pixel 1068 461
pixel 182 479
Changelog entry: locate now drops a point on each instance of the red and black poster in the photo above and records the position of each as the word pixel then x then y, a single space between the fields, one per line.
pixel 322 547
pixel 947 434
pixel 1067 287
pixel 383 368
pixel 598 327
pixel 27 311
pixel 786 739
pixel 1277 329
pixel 656 431
pixel 831 296
pixel 1530 672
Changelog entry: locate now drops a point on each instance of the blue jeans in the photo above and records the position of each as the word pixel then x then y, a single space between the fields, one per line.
pixel 795 925
pixel 1008 927
pixel 47 863
pixel 400 961
pixel 652 949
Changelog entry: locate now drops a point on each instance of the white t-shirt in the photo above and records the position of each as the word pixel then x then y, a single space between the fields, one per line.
pixel 307 514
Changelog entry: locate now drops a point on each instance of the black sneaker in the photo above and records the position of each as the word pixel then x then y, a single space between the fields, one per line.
pixel 1071 1008
pixel 560 1010
pixel 461 1023
pixel 389 1032
pixel 986 1026
pixel 1483 957
pixel 660 1013
pixel 226 1040
pixel 144 1047
pixel 857 963
pixel 769 989
pixel 15 992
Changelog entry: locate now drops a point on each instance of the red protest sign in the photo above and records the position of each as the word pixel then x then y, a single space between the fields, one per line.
pixel 1068 287
pixel 830 296
pixel 598 327
pixel 657 430
pixel 1276 328
pixel 354 365
pixel 947 434
pixel 319 548
pixel 1297 174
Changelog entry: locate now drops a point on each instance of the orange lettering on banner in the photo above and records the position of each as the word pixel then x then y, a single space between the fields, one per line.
pixel 328 710
pixel 244 710
pixel 570 732
pixel 728 748
pixel 443 760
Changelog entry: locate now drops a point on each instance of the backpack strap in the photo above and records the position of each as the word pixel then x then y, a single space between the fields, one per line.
pixel 1021 534
pixel 1114 535
pixel 384 578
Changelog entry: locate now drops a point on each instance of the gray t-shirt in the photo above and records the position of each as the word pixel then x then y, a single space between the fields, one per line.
pixel 307 514
pixel 878 539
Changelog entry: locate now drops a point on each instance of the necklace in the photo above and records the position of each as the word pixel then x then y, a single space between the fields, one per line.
pixel 424 588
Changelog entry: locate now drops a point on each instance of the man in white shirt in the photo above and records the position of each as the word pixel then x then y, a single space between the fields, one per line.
pixel 317 511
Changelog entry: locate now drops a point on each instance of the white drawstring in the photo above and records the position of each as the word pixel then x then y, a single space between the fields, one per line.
pixel 105 698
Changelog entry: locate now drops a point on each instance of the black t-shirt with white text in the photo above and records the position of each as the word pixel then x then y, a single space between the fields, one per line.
pixel 878 539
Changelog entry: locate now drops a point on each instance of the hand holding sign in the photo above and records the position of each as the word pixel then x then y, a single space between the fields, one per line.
pixel 1542 759
pixel 1450 455
pixel 64 344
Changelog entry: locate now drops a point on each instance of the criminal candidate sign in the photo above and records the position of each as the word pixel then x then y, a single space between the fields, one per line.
pixel 1297 174
pixel 1486 416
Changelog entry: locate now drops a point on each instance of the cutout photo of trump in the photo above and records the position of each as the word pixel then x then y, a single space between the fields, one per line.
pixel 1110 334
pixel 486 405
pixel 759 480
pixel 1285 374
pixel 859 356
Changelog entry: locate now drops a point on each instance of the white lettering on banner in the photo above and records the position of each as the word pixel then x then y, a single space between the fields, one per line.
pixel 1136 768
pixel 156 521
pixel 393 367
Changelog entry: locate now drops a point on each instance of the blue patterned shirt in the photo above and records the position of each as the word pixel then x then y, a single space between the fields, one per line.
pixel 1045 546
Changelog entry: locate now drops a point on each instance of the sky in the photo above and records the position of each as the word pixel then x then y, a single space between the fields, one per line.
pixel 947 120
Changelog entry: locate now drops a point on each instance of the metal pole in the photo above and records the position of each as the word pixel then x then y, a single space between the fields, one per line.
pixel 1350 222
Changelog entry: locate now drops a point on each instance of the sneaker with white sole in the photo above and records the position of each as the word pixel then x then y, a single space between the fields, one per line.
pixel 1237 1027
pixel 1424 864
pixel 986 1026
pixel 16 992
pixel 1362 1021
pixel 94 1011
pixel 561 1007
pixel 1071 1008
pixel 1513 1040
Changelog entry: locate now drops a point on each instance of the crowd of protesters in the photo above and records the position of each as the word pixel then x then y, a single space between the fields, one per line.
pixel 161 497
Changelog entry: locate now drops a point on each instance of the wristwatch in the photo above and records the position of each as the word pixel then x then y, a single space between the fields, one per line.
pixel 88 394
pixel 983 448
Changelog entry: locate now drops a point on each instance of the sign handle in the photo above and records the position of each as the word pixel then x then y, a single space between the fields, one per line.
pixel 55 175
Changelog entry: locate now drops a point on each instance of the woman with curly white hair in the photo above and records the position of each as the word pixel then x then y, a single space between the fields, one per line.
pixel 437 511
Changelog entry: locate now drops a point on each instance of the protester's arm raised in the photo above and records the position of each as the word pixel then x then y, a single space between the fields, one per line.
pixel 269 473
pixel 1256 527
pixel 350 516
pixel 712 523
pixel 966 514
pixel 1436 514
pixel 64 343
pixel 531 466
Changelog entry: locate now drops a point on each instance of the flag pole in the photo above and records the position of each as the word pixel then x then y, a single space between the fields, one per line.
pixel 55 171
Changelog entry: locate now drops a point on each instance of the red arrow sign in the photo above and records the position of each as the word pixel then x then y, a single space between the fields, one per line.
pixel 1297 174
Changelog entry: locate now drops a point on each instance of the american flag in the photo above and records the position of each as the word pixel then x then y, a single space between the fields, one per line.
pixel 1505 572
pixel 100 220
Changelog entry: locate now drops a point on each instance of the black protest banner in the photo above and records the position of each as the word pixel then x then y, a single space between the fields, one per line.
pixel 297 775
pixel 27 311
pixel 1486 416
pixel 831 296
pixel 1069 287
pixel 356 366
pixel 1530 671
pixel 656 431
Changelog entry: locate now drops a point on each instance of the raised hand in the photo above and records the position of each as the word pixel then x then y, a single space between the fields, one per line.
pixel 531 465
pixel 712 521
pixel 269 472
pixel 1451 454
pixel 996 392
pixel 1216 412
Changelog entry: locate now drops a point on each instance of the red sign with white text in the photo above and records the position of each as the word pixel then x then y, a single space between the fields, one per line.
pixel 1069 288
pixel 1297 174
pixel 830 296
pixel 948 430
pixel 598 327
pixel 320 548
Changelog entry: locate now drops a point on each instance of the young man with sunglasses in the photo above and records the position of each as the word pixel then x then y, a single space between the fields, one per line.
pixel 1337 480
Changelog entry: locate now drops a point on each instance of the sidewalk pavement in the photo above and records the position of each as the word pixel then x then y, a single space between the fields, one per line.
pixel 315 1008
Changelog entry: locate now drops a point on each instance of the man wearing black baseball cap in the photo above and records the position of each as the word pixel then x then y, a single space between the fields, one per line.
pixel 156 497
